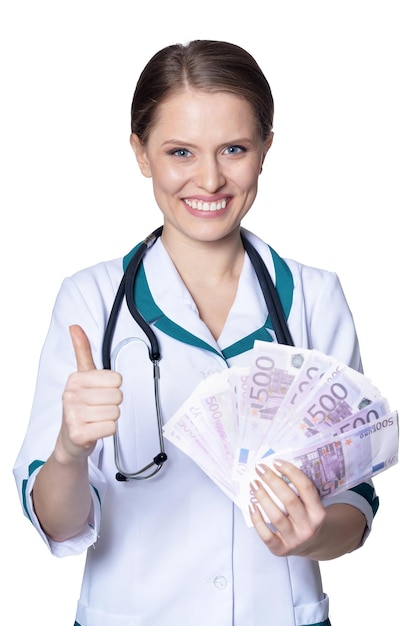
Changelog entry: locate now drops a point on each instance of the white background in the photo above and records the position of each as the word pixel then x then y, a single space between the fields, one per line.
pixel 338 191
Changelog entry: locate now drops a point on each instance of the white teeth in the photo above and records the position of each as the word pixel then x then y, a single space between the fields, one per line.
pixel 205 206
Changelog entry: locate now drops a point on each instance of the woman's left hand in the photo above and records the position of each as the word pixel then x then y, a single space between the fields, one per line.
pixel 296 529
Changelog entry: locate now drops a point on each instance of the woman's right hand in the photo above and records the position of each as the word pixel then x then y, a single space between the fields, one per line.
pixel 91 403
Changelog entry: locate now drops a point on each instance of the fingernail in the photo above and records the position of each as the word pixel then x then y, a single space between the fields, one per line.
pixel 277 466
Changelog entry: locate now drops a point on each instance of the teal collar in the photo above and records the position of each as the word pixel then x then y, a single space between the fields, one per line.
pixel 154 315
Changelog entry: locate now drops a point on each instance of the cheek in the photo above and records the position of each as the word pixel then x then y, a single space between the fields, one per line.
pixel 247 178
pixel 169 179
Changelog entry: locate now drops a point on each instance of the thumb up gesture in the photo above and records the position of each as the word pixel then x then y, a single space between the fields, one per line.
pixel 91 401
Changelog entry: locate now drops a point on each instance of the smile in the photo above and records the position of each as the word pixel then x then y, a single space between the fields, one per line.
pixel 205 206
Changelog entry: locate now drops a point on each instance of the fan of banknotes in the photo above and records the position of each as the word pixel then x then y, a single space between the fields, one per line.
pixel 289 403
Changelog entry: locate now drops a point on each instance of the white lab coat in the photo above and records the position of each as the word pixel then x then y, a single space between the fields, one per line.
pixel 174 550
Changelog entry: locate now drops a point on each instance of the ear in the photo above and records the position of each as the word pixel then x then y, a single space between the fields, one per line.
pixel 141 155
pixel 267 144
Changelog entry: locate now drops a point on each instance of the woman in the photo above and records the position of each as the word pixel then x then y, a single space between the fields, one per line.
pixel 172 549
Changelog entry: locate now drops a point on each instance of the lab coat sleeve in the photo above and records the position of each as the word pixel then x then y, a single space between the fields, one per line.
pixel 329 322
pixel 85 538
pixel 57 361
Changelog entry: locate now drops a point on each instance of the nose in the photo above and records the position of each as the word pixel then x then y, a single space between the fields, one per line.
pixel 209 175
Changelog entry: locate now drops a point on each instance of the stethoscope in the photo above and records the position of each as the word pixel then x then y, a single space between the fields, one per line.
pixel 126 289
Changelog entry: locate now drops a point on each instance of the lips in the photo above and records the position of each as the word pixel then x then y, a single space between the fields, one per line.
pixel 200 205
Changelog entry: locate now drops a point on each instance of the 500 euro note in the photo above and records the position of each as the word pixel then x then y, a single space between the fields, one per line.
pixel 206 426
pixel 340 393
pixel 337 464
pixel 291 403
pixel 271 374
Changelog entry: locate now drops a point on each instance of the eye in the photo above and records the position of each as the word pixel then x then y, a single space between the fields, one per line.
pixel 180 152
pixel 235 150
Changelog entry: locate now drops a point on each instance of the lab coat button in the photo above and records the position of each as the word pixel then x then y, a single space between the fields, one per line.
pixel 220 582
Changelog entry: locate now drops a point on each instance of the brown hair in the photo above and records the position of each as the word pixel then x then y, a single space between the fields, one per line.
pixel 201 64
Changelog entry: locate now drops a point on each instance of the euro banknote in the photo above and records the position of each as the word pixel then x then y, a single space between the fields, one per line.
pixel 290 403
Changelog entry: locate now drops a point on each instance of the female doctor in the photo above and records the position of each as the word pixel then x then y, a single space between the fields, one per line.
pixel 168 547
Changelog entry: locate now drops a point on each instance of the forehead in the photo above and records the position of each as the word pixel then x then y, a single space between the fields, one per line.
pixel 194 111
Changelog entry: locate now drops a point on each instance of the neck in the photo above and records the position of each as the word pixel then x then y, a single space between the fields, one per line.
pixel 206 262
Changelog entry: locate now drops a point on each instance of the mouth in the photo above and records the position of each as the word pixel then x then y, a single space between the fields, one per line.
pixel 200 205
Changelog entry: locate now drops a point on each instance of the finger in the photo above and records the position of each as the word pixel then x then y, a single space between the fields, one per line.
pixel 259 522
pixel 266 531
pixel 294 490
pixel 299 482
pixel 82 349
pixel 271 501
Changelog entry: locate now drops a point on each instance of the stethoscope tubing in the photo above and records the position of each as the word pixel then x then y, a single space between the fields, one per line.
pixel 126 290
pixel 272 300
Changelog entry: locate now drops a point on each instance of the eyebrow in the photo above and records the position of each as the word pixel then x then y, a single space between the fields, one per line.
pixel 230 142
pixel 179 142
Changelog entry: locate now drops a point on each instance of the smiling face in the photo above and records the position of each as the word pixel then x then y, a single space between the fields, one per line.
pixel 204 154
